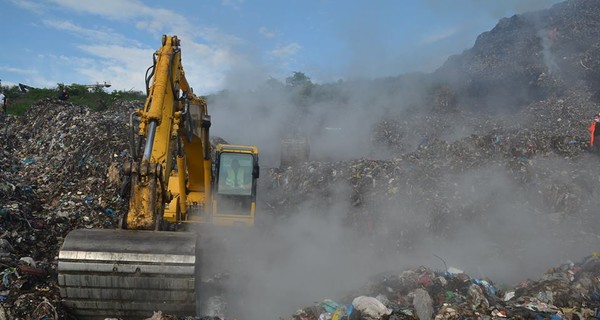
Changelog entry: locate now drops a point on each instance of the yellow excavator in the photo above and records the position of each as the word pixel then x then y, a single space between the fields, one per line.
pixel 176 179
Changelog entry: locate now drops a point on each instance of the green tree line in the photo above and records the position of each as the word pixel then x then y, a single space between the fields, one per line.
pixel 20 98
pixel 301 92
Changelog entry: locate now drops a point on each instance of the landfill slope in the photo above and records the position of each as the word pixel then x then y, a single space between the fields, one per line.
pixel 60 171
pixel 491 173
pixel 505 203
pixel 527 57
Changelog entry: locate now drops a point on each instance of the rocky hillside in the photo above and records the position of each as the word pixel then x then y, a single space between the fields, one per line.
pixel 529 57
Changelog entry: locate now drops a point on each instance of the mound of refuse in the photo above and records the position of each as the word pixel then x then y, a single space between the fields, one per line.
pixel 568 291
pixel 60 171
pixel 61 164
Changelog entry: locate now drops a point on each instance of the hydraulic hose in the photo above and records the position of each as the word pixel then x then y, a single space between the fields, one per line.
pixel 149 76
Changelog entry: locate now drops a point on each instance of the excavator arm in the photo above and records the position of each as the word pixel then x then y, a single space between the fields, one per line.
pixel 144 266
pixel 140 268
pixel 162 124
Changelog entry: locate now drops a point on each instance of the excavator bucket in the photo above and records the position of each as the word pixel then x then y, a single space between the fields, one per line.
pixel 104 273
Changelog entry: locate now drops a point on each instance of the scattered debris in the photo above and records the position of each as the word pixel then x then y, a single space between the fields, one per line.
pixel 569 291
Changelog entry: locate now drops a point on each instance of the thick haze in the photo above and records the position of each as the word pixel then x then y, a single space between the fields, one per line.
pixel 482 220
pixel 490 227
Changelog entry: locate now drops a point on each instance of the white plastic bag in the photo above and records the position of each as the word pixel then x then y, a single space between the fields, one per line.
pixel 370 307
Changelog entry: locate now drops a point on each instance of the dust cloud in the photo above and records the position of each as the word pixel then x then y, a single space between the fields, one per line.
pixel 338 129
pixel 484 222
pixel 491 228
pixel 271 272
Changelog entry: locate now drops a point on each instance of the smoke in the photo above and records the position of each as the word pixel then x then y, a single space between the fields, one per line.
pixel 338 128
pixel 483 220
pixel 494 227
pixel 546 37
pixel 277 268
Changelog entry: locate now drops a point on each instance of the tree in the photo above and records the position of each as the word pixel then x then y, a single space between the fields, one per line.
pixel 274 84
pixel 300 88
pixel 298 80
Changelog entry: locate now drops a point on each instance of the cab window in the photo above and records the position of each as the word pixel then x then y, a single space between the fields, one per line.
pixel 235 174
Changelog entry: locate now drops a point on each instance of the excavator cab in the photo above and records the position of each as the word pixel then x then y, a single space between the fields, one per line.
pixel 234 196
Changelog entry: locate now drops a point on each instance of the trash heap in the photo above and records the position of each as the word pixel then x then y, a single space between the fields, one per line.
pixel 59 171
pixel 569 291
pixel 535 162
pixel 528 57
pixel 541 151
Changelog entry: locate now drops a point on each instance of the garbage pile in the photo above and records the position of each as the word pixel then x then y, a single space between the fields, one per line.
pixel 555 124
pixel 528 57
pixel 534 164
pixel 569 291
pixel 541 152
pixel 60 167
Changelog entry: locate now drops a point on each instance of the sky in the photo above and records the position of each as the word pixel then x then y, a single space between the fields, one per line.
pixel 235 44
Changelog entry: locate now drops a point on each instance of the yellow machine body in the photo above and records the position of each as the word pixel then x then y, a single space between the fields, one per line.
pixel 176 178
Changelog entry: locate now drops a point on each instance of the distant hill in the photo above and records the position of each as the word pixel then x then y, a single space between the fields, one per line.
pixel 529 57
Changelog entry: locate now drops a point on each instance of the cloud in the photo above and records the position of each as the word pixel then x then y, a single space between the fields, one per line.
pixel 206 66
pixel 216 36
pixel 235 4
pixel 105 36
pixel 208 53
pixel 114 9
pixel 266 32
pixel 153 20
pixel 159 21
pixel 283 56
pixel 435 37
pixel 17 70
pixel 124 67
pixel 287 51
pixel 30 76
pixel 46 70
pixel 29 5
